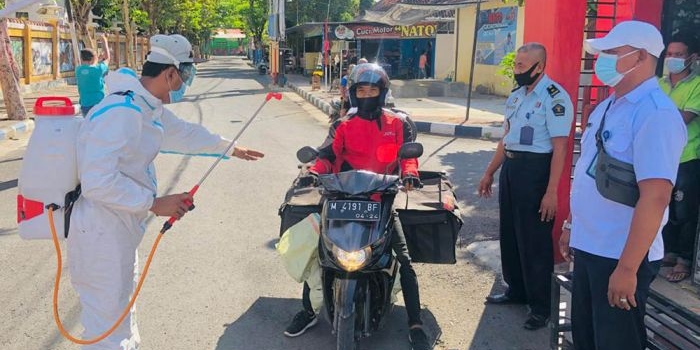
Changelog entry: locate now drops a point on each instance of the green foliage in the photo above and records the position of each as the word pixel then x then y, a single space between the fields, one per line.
pixel 506 67
pixel 229 13
pixel 684 16
pixel 303 11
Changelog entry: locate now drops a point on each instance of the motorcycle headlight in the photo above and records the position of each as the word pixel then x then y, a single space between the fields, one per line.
pixel 352 261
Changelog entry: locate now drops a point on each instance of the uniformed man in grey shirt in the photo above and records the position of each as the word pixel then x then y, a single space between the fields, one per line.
pixel 538 119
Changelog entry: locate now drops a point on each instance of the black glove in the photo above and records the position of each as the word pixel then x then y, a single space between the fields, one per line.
pixel 411 181
pixel 308 180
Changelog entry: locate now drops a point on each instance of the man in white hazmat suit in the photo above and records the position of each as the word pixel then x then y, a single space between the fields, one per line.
pixel 116 147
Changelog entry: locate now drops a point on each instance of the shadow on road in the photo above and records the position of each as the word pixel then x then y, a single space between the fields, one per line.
pixel 6 185
pixel 262 325
pixel 11 160
pixel 501 328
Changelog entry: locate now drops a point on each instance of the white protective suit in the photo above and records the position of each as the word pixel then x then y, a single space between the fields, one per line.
pixel 116 146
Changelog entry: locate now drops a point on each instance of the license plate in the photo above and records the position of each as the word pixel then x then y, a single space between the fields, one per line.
pixel 353 210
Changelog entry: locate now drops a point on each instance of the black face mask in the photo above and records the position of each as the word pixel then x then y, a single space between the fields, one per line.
pixel 368 107
pixel 524 79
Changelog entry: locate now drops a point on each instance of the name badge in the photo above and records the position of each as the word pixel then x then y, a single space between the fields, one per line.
pixel 527 134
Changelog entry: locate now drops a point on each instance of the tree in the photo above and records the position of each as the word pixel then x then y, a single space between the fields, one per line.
pixel 81 19
pixel 130 57
pixel 9 77
pixel 256 20
pixel 303 11
pixel 160 15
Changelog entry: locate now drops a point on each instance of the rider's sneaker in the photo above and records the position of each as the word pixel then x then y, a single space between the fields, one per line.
pixel 301 322
pixel 418 339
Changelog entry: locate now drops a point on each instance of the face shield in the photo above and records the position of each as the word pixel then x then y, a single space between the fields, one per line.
pixel 187 72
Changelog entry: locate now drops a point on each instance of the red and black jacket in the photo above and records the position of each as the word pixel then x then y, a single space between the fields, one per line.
pixel 354 143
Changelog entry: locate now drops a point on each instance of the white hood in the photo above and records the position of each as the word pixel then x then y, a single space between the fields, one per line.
pixel 125 79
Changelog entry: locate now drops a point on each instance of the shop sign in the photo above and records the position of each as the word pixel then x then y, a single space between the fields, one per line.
pixel 381 31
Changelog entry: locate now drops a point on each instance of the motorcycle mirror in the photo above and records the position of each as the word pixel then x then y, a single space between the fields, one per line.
pixel 307 154
pixel 410 150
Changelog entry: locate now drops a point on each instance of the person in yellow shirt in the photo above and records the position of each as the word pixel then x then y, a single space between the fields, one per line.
pixel 682 85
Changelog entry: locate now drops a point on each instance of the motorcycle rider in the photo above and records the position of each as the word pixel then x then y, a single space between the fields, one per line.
pixel 355 142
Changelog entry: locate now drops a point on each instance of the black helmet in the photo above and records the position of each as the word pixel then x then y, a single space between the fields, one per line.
pixel 368 74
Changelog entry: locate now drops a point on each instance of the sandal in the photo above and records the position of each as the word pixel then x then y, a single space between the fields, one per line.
pixel 679 272
pixel 669 259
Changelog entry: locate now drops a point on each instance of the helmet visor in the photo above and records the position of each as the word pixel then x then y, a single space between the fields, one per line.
pixel 369 74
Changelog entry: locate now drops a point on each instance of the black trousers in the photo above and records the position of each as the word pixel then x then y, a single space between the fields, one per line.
pixel 596 325
pixel 409 280
pixel 527 257
pixel 680 231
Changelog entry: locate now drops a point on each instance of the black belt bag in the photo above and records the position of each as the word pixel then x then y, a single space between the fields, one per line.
pixel 614 179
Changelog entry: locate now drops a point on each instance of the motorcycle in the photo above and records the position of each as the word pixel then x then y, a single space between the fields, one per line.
pixel 263 67
pixel 355 253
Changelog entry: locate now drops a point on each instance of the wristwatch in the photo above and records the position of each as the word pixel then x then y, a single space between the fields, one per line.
pixel 566 225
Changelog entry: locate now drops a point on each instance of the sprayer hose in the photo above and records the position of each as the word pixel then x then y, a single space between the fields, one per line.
pixel 59 267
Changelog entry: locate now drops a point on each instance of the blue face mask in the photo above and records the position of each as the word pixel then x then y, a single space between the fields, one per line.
pixel 606 68
pixel 177 95
pixel 675 65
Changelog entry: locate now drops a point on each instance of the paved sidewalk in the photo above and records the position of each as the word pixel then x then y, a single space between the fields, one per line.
pixel 70 91
pixel 11 128
pixel 438 115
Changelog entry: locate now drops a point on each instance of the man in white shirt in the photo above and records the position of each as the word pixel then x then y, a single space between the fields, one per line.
pixel 618 247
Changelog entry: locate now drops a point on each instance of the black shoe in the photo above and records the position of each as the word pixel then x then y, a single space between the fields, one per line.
pixel 502 299
pixel 536 322
pixel 418 339
pixel 301 322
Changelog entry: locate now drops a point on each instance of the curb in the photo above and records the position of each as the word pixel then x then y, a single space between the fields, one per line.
pixel 319 103
pixel 20 127
pixel 445 129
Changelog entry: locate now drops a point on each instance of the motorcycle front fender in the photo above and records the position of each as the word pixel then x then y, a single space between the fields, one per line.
pixel 345 297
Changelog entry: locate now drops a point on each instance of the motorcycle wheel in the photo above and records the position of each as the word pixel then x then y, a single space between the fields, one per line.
pixel 346 334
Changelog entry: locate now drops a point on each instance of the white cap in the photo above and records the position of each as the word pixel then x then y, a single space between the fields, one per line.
pixel 640 35
pixel 170 49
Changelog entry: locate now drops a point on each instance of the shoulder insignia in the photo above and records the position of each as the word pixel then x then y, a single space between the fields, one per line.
pixel 553 90
pixel 559 110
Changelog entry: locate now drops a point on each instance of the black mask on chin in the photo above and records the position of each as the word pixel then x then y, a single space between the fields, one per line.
pixel 524 79
pixel 368 107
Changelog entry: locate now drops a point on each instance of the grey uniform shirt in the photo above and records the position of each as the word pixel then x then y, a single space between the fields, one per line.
pixel 547 109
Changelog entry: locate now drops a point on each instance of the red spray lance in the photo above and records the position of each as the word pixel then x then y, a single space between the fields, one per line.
pixel 276 95
pixel 166 226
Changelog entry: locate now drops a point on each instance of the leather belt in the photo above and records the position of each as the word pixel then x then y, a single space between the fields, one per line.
pixel 526 155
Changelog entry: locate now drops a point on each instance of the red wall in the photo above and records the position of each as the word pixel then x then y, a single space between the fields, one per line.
pixel 558 25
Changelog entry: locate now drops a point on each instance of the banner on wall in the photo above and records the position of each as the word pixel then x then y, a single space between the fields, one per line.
pixel 496 34
pixel 65 56
pixel 358 31
pixel 42 56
